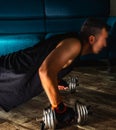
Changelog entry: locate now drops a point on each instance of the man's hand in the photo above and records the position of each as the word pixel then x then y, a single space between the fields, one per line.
pixel 62 85
pixel 65 115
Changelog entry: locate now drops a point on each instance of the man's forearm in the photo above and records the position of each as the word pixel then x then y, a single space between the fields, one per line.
pixel 50 85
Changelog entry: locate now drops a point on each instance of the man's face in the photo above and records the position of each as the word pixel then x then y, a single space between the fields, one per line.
pixel 99 42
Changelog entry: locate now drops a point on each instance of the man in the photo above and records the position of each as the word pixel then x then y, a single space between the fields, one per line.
pixel 23 72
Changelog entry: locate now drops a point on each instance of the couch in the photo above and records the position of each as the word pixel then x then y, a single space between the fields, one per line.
pixel 23 23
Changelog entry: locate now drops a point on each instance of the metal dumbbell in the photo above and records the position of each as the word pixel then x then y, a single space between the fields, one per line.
pixel 49 119
pixel 73 83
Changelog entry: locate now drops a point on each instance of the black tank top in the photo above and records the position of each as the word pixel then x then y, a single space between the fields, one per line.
pixel 31 58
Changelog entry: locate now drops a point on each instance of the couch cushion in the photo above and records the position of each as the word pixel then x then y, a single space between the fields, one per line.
pixel 21 16
pixel 64 25
pixel 112 22
pixel 21 26
pixel 76 8
pixel 21 9
pixel 13 43
pixel 112 37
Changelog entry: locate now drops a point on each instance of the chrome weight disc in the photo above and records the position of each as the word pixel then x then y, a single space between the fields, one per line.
pixel 49 118
pixel 73 83
pixel 82 113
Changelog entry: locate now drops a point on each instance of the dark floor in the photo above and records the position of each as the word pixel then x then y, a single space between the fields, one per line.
pixel 97 88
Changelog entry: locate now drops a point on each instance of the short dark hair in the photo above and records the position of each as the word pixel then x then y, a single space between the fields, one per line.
pixel 92 26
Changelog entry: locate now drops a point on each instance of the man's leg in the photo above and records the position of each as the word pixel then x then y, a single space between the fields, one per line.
pixel 11 89
pixel 16 89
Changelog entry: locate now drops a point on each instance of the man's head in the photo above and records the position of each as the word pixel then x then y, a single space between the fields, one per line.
pixel 95 32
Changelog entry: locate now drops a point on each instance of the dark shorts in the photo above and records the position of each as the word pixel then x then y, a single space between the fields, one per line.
pixel 16 89
pixel 19 79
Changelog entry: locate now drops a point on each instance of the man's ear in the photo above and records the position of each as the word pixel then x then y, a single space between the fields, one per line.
pixel 91 39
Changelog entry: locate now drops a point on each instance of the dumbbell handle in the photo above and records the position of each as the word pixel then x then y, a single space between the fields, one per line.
pixel 42 125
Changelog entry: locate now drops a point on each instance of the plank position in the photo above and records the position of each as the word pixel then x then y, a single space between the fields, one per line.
pixel 24 74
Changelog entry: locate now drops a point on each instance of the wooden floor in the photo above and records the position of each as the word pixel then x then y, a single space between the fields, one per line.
pixel 97 88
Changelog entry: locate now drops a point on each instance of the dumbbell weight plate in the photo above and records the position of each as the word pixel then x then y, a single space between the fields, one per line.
pixel 73 83
pixel 49 118
pixel 82 113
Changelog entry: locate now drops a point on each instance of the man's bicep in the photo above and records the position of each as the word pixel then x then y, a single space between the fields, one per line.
pixel 60 56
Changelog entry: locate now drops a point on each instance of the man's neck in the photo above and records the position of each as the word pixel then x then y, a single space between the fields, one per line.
pixel 86 49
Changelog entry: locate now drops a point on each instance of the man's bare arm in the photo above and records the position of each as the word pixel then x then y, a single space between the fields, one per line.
pixel 67 50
